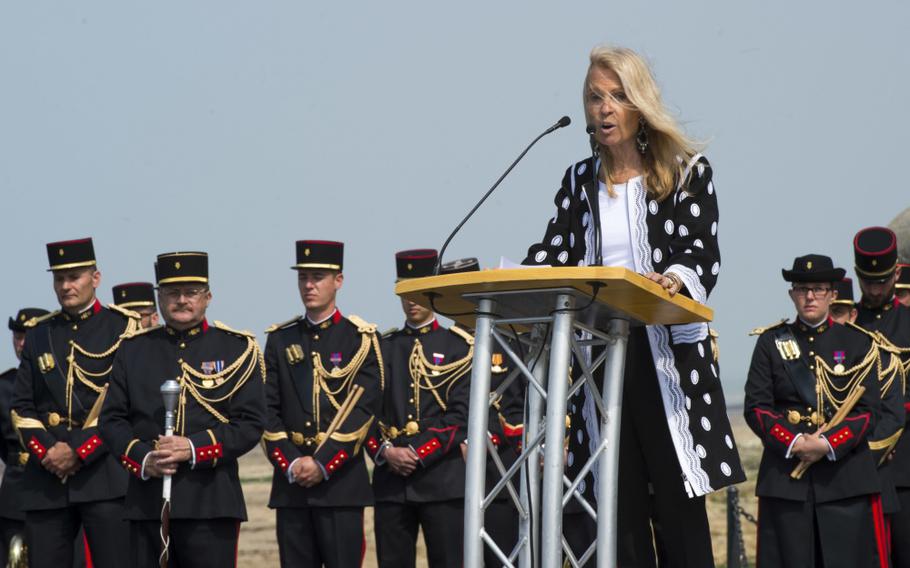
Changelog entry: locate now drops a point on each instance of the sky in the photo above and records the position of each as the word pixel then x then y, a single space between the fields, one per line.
pixel 237 128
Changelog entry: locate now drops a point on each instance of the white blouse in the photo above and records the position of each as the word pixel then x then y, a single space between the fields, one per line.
pixel 616 234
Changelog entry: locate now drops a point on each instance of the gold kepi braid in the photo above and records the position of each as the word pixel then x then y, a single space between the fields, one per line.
pixel 423 372
pixel 196 384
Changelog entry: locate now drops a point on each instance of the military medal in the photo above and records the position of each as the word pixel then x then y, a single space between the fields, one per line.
pixel 496 360
pixel 438 358
pixel 210 368
pixel 839 358
pixel 335 358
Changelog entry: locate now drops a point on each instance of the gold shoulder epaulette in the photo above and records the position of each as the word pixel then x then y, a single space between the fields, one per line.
pixel 389 331
pixel 469 339
pixel 244 333
pixel 32 322
pixel 761 330
pixel 140 331
pixel 123 311
pixel 362 325
pixel 282 325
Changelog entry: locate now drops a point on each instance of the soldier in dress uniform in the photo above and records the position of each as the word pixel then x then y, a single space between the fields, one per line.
pixel 802 373
pixel 420 471
pixel 71 478
pixel 140 298
pixel 875 256
pixel 843 307
pixel 902 286
pixel 11 516
pixel 220 416
pixel 324 388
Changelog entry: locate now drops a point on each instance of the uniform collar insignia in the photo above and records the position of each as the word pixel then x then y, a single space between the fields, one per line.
pixel 809 329
pixel 334 319
pixel 411 330
pixel 191 333
pixel 84 314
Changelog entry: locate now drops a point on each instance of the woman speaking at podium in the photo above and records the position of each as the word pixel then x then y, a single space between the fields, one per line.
pixel 646 201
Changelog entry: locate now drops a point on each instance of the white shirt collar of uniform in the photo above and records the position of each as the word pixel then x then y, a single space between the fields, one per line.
pixel 330 316
pixel 813 325
pixel 429 322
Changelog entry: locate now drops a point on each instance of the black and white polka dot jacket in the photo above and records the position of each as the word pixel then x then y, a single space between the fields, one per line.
pixel 678 234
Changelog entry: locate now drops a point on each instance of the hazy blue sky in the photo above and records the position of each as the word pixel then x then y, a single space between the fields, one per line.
pixel 239 127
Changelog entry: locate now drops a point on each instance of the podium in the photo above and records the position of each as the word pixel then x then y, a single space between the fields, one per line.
pixel 562 311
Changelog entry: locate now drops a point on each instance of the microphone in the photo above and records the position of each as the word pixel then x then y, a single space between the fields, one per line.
pixel 564 121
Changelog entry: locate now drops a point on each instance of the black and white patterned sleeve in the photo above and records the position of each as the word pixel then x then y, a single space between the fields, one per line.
pixel 696 254
pixel 559 247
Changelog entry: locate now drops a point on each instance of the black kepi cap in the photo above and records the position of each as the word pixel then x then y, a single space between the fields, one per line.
pixel 813 268
pixel 314 255
pixel 875 253
pixel 460 265
pixel 903 281
pixel 182 268
pixel 134 295
pixel 415 263
pixel 18 323
pixel 844 292
pixel 63 255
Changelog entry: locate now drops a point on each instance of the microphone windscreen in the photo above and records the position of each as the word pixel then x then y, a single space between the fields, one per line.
pixel 564 121
pixel 590 129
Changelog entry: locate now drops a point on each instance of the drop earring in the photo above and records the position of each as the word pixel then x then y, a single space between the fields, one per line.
pixel 641 139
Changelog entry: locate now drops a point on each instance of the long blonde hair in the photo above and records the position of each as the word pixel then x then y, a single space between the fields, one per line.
pixel 667 143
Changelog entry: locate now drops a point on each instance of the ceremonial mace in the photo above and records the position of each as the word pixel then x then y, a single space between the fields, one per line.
pixel 170 390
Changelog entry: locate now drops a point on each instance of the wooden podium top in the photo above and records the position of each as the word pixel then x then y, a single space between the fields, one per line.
pixel 624 292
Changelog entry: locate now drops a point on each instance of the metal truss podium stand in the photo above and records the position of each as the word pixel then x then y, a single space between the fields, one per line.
pixel 564 312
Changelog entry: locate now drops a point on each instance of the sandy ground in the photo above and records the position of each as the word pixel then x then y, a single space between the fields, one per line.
pixel 257 537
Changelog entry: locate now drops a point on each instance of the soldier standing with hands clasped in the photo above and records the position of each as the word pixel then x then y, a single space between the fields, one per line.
pixel 71 479
pixel 220 414
pixel 420 472
pixel 324 388
pixel 806 374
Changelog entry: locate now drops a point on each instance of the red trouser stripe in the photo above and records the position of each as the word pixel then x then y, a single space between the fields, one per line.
pixel 878 520
pixel 88 551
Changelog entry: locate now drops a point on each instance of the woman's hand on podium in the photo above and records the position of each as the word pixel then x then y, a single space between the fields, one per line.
pixel 669 282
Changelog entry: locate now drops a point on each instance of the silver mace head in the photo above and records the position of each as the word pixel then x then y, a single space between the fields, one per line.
pixel 170 390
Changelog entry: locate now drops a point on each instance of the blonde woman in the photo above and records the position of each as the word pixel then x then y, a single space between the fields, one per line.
pixel 646 201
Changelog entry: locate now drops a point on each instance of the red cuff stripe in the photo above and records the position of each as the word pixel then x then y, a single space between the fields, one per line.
pixel 280 460
pixel 373 445
pixel 206 453
pixel 90 445
pixel 337 461
pixel 432 446
pixel 782 434
pixel 131 465
pixel 36 448
pixel 841 437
